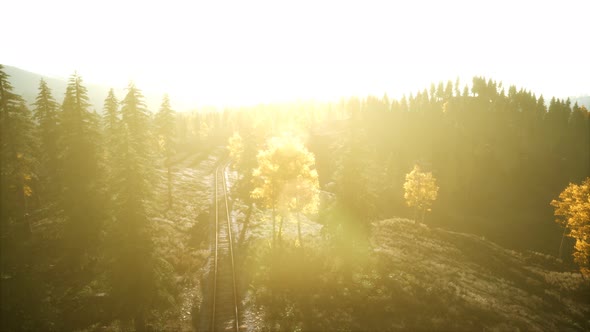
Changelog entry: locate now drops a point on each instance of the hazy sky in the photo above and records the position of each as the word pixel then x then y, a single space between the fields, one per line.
pixel 213 52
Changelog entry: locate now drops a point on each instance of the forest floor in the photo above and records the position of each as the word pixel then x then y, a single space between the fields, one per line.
pixel 403 276
pixel 439 279
pixel 409 276
pixel 183 235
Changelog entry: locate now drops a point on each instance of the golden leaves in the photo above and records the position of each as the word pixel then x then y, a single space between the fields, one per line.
pixel 236 148
pixel 572 210
pixel 27 191
pixel 24 173
pixel 285 177
pixel 420 189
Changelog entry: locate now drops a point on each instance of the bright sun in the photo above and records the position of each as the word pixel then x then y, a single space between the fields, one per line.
pixel 232 52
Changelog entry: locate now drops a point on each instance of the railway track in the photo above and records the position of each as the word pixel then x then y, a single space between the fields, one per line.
pixel 224 309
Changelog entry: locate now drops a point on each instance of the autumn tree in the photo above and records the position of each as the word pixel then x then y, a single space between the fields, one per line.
pixel 235 147
pixel 285 180
pixel 572 210
pixel 242 151
pixel 165 126
pixel 420 191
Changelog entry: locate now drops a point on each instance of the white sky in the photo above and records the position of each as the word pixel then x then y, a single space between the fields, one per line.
pixel 231 52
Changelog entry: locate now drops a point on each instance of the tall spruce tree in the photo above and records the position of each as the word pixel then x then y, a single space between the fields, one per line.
pixel 165 125
pixel 19 300
pixel 47 117
pixel 17 154
pixel 81 176
pixel 110 121
pixel 135 272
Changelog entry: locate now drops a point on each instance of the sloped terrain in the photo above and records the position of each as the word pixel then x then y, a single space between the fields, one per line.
pixel 410 277
pixel 435 279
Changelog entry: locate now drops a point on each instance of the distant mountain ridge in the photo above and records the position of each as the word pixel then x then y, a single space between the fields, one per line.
pixel 26 84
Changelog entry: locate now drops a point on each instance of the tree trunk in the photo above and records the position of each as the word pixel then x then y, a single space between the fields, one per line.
pixel 139 321
pixel 281 230
pixel 307 313
pixel 299 230
pixel 561 244
pixel 169 187
pixel 274 223
pixel 246 223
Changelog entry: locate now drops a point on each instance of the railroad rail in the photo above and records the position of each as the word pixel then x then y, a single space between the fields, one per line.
pixel 224 310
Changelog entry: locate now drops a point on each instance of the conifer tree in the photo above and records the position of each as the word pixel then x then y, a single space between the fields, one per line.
pixel 46 113
pixel 111 121
pixel 353 185
pixel 135 274
pixel 20 298
pixel 81 176
pixel 16 154
pixel 166 141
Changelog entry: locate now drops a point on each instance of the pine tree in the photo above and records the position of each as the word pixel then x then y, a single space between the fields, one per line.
pixel 47 116
pixel 135 273
pixel 110 123
pixel 16 154
pixel 20 296
pixel 353 185
pixel 165 125
pixel 81 176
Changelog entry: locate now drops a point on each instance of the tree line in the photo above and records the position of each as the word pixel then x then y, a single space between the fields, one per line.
pixel 499 154
pixel 86 179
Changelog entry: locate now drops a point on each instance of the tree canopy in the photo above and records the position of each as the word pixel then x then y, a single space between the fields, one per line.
pixel 572 210
pixel 285 179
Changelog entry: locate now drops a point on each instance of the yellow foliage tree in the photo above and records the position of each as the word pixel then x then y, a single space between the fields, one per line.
pixel 572 210
pixel 420 190
pixel 285 180
pixel 235 147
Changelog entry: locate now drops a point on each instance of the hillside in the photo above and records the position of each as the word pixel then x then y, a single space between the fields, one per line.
pixel 437 279
pixel 409 277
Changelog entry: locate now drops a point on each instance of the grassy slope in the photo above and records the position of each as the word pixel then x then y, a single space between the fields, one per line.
pixel 413 277
pixel 437 279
